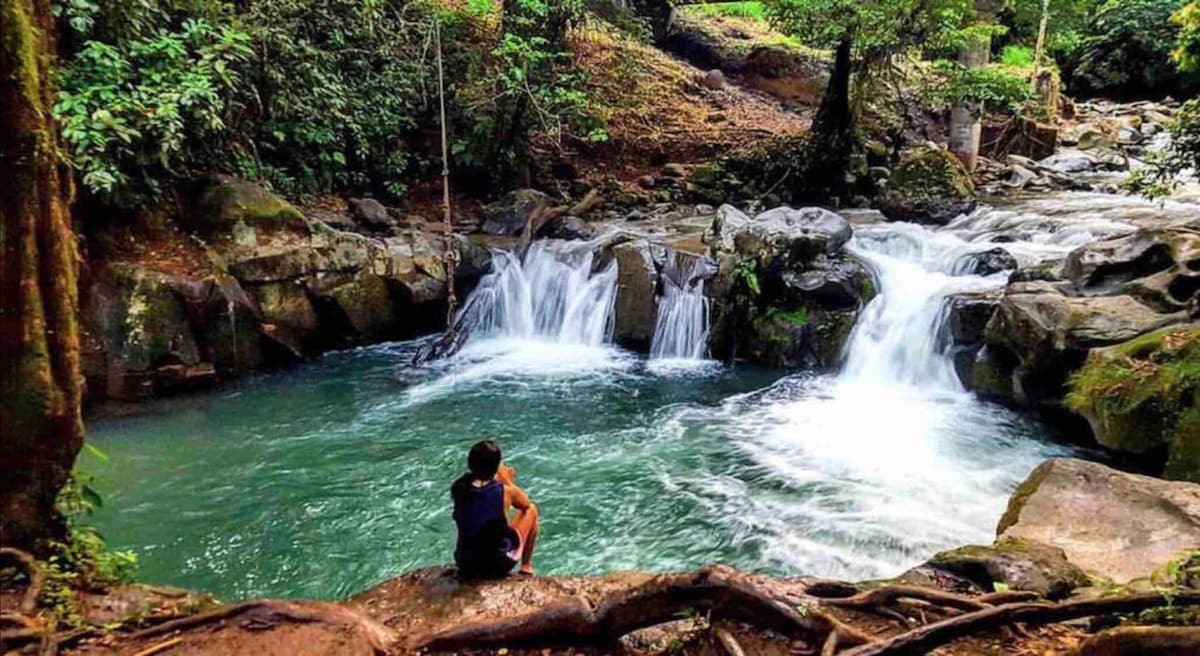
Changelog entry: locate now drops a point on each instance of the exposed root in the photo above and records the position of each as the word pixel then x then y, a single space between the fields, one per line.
pixel 931 636
pixel 888 594
pixel 266 613
pixel 723 591
pixel 37 578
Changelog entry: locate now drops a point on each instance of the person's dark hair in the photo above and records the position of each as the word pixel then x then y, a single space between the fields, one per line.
pixel 483 461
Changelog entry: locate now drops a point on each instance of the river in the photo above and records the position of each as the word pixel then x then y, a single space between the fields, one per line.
pixel 325 479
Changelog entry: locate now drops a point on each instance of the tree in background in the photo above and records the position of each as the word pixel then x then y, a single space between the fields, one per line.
pixel 865 36
pixel 1126 52
pixel 40 389
pixel 1187 47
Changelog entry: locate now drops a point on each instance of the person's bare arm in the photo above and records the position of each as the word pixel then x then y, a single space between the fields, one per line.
pixel 514 496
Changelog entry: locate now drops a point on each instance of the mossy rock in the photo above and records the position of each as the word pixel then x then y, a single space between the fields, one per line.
pixel 1143 395
pixel 1016 563
pixel 929 186
pixel 234 209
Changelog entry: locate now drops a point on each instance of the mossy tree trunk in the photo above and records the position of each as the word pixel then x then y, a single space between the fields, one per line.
pixel 40 385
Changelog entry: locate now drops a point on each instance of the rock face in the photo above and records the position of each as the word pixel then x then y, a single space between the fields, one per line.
pixel 1048 335
pixel 1111 524
pixel 1143 396
pixel 787 293
pixel 637 302
pixel 294 287
pixel 929 186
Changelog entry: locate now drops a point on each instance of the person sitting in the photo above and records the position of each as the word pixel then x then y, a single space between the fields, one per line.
pixel 489 542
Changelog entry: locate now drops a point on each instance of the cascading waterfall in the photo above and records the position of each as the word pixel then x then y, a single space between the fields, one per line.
pixel 553 294
pixel 681 327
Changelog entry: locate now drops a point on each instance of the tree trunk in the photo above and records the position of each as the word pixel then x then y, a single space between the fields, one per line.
pixel 40 385
pixel 832 137
pixel 965 128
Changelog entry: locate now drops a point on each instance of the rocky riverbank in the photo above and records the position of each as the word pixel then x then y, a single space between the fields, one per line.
pixel 1075 532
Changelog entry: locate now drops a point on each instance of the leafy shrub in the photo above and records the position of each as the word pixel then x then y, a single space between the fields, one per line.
pixel 1163 170
pixel 753 10
pixel 1187 47
pixel 1018 56
pixel 131 113
pixel 984 89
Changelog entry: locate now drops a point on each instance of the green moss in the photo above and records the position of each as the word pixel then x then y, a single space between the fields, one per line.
pixel 797 317
pixel 932 172
pixel 1143 393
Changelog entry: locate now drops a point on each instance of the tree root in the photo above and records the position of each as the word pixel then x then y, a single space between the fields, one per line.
pixel 719 589
pixel 888 594
pixel 931 636
pixel 270 612
pixel 37 578
pixel 1132 640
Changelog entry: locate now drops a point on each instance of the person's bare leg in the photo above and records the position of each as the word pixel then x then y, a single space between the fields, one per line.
pixel 526 524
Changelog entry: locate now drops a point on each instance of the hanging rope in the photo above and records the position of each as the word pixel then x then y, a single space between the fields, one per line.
pixel 451 250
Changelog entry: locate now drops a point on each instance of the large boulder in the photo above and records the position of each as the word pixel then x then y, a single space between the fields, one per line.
pixel 228 209
pixel 1050 334
pixel 725 224
pixel 371 213
pixel 1111 524
pixel 510 214
pixel 1144 395
pixel 636 305
pixel 1158 266
pixel 929 186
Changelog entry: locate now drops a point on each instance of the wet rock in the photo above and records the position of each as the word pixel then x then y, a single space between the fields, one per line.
pixel 1070 161
pixel 509 215
pixel 636 304
pixel 727 222
pixel 795 235
pixel 1141 397
pixel 567 227
pixel 984 263
pixel 1110 524
pixel 929 186
pixel 1087 136
pixel 1050 334
pixel 1155 265
pixel 371 213
pixel 1017 563
pixel 1019 177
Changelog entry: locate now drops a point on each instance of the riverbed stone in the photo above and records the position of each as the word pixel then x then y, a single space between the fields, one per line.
pixel 229 208
pixel 1111 524
pixel 787 236
pixel 985 263
pixel 727 221
pixel 371 213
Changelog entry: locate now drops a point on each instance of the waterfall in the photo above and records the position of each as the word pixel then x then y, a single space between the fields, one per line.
pixel 681 326
pixel 552 295
pixel 898 338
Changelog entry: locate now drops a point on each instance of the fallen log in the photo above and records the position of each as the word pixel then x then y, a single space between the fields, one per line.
pixel 931 636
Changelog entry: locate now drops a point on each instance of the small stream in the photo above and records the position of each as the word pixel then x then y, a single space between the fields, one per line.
pixel 325 479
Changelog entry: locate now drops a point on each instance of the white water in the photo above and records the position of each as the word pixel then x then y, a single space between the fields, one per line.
pixel 681 326
pixel 551 295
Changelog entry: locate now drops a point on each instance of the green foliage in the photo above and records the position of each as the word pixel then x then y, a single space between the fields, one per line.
pixel 83 560
pixel 1187 48
pixel 1126 51
pixel 746 274
pixel 1013 55
pixel 1067 23
pixel 525 85
pixel 984 90
pixel 878 29
pixel 134 112
pixel 754 10
pixel 1162 172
